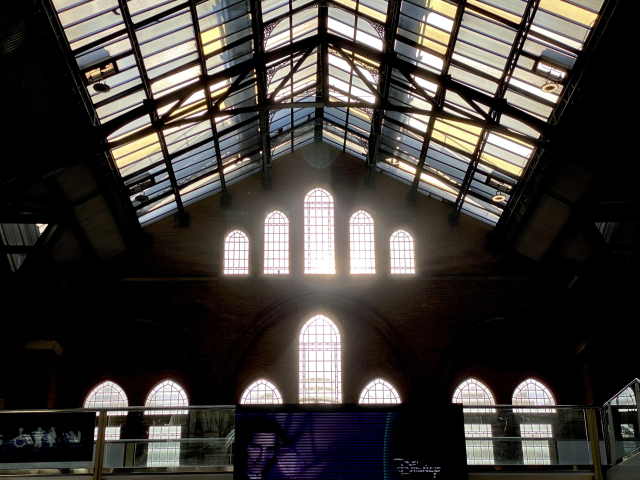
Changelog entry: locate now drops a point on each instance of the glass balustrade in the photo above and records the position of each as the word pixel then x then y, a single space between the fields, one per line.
pixel 622 419
pixel 201 439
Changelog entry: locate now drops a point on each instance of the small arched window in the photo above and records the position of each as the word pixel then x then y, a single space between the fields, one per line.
pixel 167 394
pixel 261 392
pixel 379 391
pixel 474 392
pixel 276 243
pixel 236 253
pixel 320 370
pixel 165 454
pixel 108 395
pixel 535 450
pixel 403 256
pixel 361 242
pixel 533 392
pixel 319 249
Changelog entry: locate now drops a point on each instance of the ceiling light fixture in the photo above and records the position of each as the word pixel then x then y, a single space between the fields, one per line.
pixel 499 197
pixel 101 87
pixel 142 198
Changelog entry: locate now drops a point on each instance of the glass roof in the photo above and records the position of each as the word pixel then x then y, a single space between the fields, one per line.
pixel 450 97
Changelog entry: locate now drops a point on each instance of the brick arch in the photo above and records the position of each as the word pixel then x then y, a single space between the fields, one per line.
pixel 344 312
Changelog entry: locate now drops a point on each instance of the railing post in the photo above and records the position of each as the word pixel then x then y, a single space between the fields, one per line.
pixel 99 456
pixel 594 442
pixel 611 430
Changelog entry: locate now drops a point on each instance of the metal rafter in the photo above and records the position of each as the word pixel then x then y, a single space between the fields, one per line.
pixel 439 101
pixel 289 75
pixel 495 114
pixel 210 105
pixel 261 79
pixel 135 47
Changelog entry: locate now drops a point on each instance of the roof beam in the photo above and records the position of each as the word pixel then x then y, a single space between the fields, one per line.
pixel 288 76
pixel 495 114
pixel 135 47
pixel 224 199
pixel 259 63
pixel 439 102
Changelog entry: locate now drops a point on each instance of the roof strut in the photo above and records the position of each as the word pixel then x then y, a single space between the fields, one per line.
pixel 135 46
pixel 385 81
pixel 512 60
pixel 224 197
pixel 412 197
pixel 261 79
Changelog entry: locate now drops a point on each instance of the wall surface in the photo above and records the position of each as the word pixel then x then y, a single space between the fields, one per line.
pixel 170 312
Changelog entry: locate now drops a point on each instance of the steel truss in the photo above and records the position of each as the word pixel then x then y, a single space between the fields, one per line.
pixel 260 70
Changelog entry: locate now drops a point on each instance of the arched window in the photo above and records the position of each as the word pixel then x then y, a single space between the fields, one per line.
pixel 363 255
pixel 319 250
pixel 532 392
pixel 320 370
pixel 403 256
pixel 108 395
pixel 379 391
pixel 261 392
pixel 474 392
pixel 236 253
pixel 627 430
pixel 165 454
pixel 276 243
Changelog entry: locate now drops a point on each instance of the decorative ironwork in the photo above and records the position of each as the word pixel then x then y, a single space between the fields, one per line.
pixel 368 111
pixel 269 28
pixel 272 71
pixel 379 28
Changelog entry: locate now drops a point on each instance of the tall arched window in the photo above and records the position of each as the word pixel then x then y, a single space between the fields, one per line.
pixel 108 395
pixel 363 255
pixel 276 243
pixel 236 253
pixel 474 392
pixel 165 454
pixel 379 391
pixel 319 249
pixel 261 392
pixel 533 392
pixel 403 256
pixel 320 370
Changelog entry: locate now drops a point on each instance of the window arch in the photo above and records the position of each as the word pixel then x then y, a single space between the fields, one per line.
pixel 320 371
pixel 533 392
pixel 379 391
pixel 403 256
pixel 361 242
pixel 167 394
pixel 165 454
pixel 276 243
pixel 236 253
pixel 108 395
pixel 474 392
pixel 319 249
pixel 261 392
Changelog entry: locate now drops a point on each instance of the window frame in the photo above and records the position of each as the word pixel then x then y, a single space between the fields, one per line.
pixel 255 384
pixel 332 234
pixel 372 242
pixel 372 383
pixel 301 329
pixel 224 253
pixel 415 252
pixel 264 242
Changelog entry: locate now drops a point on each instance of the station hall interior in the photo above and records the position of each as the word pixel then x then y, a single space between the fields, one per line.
pixel 416 202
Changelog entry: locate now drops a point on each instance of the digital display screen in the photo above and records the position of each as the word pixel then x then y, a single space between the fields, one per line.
pixel 349 442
